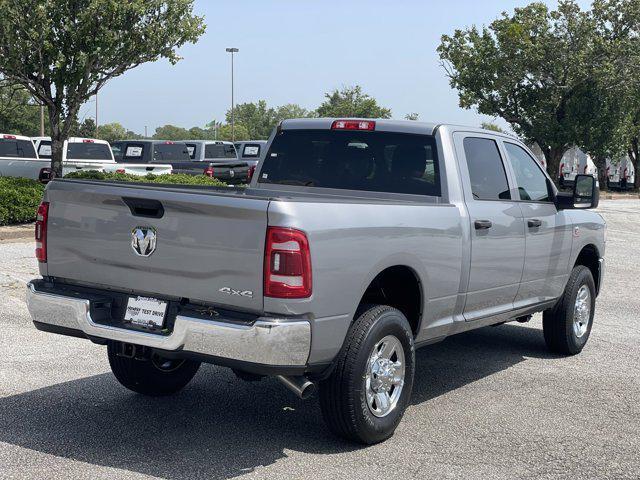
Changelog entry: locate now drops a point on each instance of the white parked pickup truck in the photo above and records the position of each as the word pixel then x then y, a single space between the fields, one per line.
pixel 92 154
pixel 17 156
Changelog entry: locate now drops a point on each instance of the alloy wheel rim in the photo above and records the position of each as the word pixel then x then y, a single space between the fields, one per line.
pixel 582 311
pixel 384 380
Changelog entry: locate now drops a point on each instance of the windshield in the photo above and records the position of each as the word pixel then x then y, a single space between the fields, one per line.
pixel 370 161
pixel 214 150
pixel 170 152
pixel 10 147
pixel 88 151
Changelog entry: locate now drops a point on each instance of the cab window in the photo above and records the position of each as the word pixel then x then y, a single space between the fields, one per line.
pixel 486 170
pixel 532 183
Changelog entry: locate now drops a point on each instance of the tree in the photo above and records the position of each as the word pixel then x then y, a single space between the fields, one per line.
pixel 112 132
pixel 257 118
pixel 64 51
pixel 412 116
pixel 611 117
pixel 171 132
pixel 241 133
pixel 19 114
pixel 491 126
pixel 525 68
pixel 87 129
pixel 291 110
pixel 351 102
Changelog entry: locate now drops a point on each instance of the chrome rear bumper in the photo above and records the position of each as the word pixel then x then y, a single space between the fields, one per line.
pixel 268 341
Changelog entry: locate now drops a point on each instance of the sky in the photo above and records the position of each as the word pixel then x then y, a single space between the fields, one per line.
pixel 293 51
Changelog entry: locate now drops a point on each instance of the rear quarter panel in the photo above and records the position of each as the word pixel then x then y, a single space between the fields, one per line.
pixel 351 243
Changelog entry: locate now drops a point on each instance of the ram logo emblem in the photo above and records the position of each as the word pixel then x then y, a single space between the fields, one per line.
pixel 143 241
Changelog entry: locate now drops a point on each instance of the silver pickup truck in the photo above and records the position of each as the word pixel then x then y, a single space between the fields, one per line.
pixel 357 242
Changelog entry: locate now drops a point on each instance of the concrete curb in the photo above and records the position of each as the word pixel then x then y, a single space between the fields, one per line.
pixel 16 232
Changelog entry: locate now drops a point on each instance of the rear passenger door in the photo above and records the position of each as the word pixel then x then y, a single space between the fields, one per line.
pixel 497 227
pixel 548 231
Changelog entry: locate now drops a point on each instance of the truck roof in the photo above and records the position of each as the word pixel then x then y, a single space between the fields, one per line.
pixel 10 136
pixel 384 125
pixel 73 140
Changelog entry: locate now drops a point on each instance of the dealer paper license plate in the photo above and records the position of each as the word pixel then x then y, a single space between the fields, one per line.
pixel 145 312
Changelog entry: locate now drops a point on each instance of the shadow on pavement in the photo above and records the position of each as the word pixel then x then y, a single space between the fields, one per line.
pixel 220 427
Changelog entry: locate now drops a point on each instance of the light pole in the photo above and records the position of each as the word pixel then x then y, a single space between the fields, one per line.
pixel 233 120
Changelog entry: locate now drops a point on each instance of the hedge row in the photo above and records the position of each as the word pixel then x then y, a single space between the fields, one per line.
pixel 20 197
pixel 19 200
pixel 179 179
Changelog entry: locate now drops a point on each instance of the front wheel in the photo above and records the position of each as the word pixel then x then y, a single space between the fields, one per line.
pixel 151 375
pixel 567 325
pixel 365 397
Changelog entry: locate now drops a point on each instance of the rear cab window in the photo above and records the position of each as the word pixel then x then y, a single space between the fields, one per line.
pixel 251 150
pixel 44 149
pixel 191 148
pixel 219 150
pixel 88 151
pixel 16 148
pixel 373 161
pixel 170 152
pixel 132 152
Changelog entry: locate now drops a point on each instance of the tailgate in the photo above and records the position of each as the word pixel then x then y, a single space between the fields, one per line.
pixel 209 245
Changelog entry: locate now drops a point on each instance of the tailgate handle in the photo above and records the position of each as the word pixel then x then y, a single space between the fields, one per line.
pixel 144 207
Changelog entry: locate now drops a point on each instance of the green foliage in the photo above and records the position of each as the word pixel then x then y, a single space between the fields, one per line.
pixel 171 132
pixel 176 179
pixel 491 126
pixel 19 114
pixel 351 102
pixel 525 68
pixel 412 116
pixel 112 132
pixel 19 200
pixel 87 129
pixel 64 51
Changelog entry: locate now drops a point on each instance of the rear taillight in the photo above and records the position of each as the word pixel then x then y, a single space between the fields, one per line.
pixel 121 170
pixel 41 231
pixel 287 264
pixel 353 125
pixel 250 172
pixel 209 171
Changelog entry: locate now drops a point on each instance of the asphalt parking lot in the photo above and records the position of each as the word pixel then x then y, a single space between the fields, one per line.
pixel 487 404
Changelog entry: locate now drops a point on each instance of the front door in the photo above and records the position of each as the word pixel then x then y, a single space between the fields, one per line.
pixel 548 231
pixel 497 227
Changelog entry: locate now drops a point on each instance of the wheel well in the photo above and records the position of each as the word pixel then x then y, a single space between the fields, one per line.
pixel 400 288
pixel 590 258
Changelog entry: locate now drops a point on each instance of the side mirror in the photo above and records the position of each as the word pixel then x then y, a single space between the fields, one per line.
pixel 46 175
pixel 586 194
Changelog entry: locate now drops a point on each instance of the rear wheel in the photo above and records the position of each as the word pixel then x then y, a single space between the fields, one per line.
pixel 152 374
pixel 567 325
pixel 365 397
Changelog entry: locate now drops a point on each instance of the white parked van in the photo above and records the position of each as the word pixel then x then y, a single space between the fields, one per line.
pixel 574 162
pixel 621 175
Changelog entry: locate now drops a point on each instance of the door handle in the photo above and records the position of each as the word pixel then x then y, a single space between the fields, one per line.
pixel 482 224
pixel 534 223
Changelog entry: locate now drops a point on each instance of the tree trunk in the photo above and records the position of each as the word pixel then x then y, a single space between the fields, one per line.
pixel 601 165
pixel 553 156
pixel 56 141
pixel 635 160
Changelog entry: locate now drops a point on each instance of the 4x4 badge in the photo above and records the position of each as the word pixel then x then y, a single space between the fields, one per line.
pixel 233 291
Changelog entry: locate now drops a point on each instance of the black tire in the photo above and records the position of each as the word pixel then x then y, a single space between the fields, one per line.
pixel 154 376
pixel 558 322
pixel 343 398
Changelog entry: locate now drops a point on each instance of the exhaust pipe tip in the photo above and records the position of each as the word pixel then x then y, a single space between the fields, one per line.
pixel 301 386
